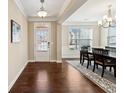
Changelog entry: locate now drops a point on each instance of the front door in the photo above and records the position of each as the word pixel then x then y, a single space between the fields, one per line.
pixel 42 43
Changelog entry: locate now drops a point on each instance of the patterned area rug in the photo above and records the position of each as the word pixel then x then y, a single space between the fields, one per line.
pixel 107 83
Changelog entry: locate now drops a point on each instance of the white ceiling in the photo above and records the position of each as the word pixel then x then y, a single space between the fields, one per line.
pixel 53 7
pixel 92 10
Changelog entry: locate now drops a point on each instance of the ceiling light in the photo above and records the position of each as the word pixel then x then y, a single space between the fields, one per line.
pixel 108 20
pixel 42 13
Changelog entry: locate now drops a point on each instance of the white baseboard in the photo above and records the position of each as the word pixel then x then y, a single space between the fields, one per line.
pixel 59 61
pixel 12 83
pixel 41 61
pixel 31 60
pixel 14 80
pixel 52 60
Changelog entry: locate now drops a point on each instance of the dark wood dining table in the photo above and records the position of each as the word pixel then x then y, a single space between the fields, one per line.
pixel 111 55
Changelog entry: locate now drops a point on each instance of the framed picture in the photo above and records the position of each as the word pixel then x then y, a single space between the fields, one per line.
pixel 15 32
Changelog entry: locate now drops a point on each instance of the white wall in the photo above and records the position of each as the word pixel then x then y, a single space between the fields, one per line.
pixel 103 37
pixel 17 51
pixel 96 37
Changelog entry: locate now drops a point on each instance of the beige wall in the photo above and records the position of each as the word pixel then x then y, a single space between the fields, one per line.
pixel 17 52
pixel 53 40
pixel 30 41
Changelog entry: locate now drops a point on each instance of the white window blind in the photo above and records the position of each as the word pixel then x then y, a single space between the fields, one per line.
pixel 112 37
pixel 80 36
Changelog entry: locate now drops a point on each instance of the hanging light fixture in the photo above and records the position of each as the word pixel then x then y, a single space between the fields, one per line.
pixel 42 13
pixel 108 20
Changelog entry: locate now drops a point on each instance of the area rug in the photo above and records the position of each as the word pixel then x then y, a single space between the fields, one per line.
pixel 107 83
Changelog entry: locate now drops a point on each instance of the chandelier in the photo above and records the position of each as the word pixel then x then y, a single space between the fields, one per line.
pixel 108 20
pixel 42 13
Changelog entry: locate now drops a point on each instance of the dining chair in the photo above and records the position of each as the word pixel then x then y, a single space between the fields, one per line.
pixel 112 50
pixel 102 61
pixel 86 56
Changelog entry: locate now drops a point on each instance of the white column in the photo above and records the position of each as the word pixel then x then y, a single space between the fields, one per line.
pixel 103 38
pixel 59 43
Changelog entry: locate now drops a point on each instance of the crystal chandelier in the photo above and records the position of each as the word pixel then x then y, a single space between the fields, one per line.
pixel 108 20
pixel 42 13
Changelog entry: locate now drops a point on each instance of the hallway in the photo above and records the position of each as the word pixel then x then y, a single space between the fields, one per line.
pixel 37 43
pixel 53 78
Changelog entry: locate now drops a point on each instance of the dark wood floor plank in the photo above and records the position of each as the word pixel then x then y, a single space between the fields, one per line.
pixel 53 78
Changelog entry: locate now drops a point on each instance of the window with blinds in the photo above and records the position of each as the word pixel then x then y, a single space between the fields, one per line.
pixel 111 37
pixel 80 36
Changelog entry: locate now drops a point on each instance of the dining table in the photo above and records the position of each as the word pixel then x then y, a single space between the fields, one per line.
pixel 111 55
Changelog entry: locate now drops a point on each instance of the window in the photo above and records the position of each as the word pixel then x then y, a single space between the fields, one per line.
pixel 79 36
pixel 41 36
pixel 112 37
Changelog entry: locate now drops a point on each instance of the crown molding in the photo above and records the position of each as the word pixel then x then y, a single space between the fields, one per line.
pixel 70 9
pixel 92 23
pixel 20 6
pixel 38 19
pixel 65 5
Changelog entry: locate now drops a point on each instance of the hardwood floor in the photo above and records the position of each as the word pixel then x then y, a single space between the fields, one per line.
pixel 53 78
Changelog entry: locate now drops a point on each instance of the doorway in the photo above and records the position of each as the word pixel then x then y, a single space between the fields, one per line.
pixel 42 42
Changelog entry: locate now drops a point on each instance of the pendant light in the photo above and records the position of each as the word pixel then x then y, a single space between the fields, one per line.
pixel 42 13
pixel 108 20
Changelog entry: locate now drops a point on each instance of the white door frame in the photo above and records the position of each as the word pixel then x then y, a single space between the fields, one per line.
pixel 49 28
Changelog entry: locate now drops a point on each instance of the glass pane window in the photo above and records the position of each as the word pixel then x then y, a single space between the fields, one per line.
pixel 41 37
pixel 112 37
pixel 79 36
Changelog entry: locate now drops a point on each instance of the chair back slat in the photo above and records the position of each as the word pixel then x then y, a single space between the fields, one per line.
pixel 85 51
pixel 84 48
pixel 98 52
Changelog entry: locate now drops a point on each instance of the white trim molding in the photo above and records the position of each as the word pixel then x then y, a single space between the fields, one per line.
pixel 20 6
pixel 70 9
pixel 43 61
pixel 59 61
pixel 65 5
pixel 31 60
pixel 53 61
pixel 17 76
pixel 38 19
pixel 93 23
